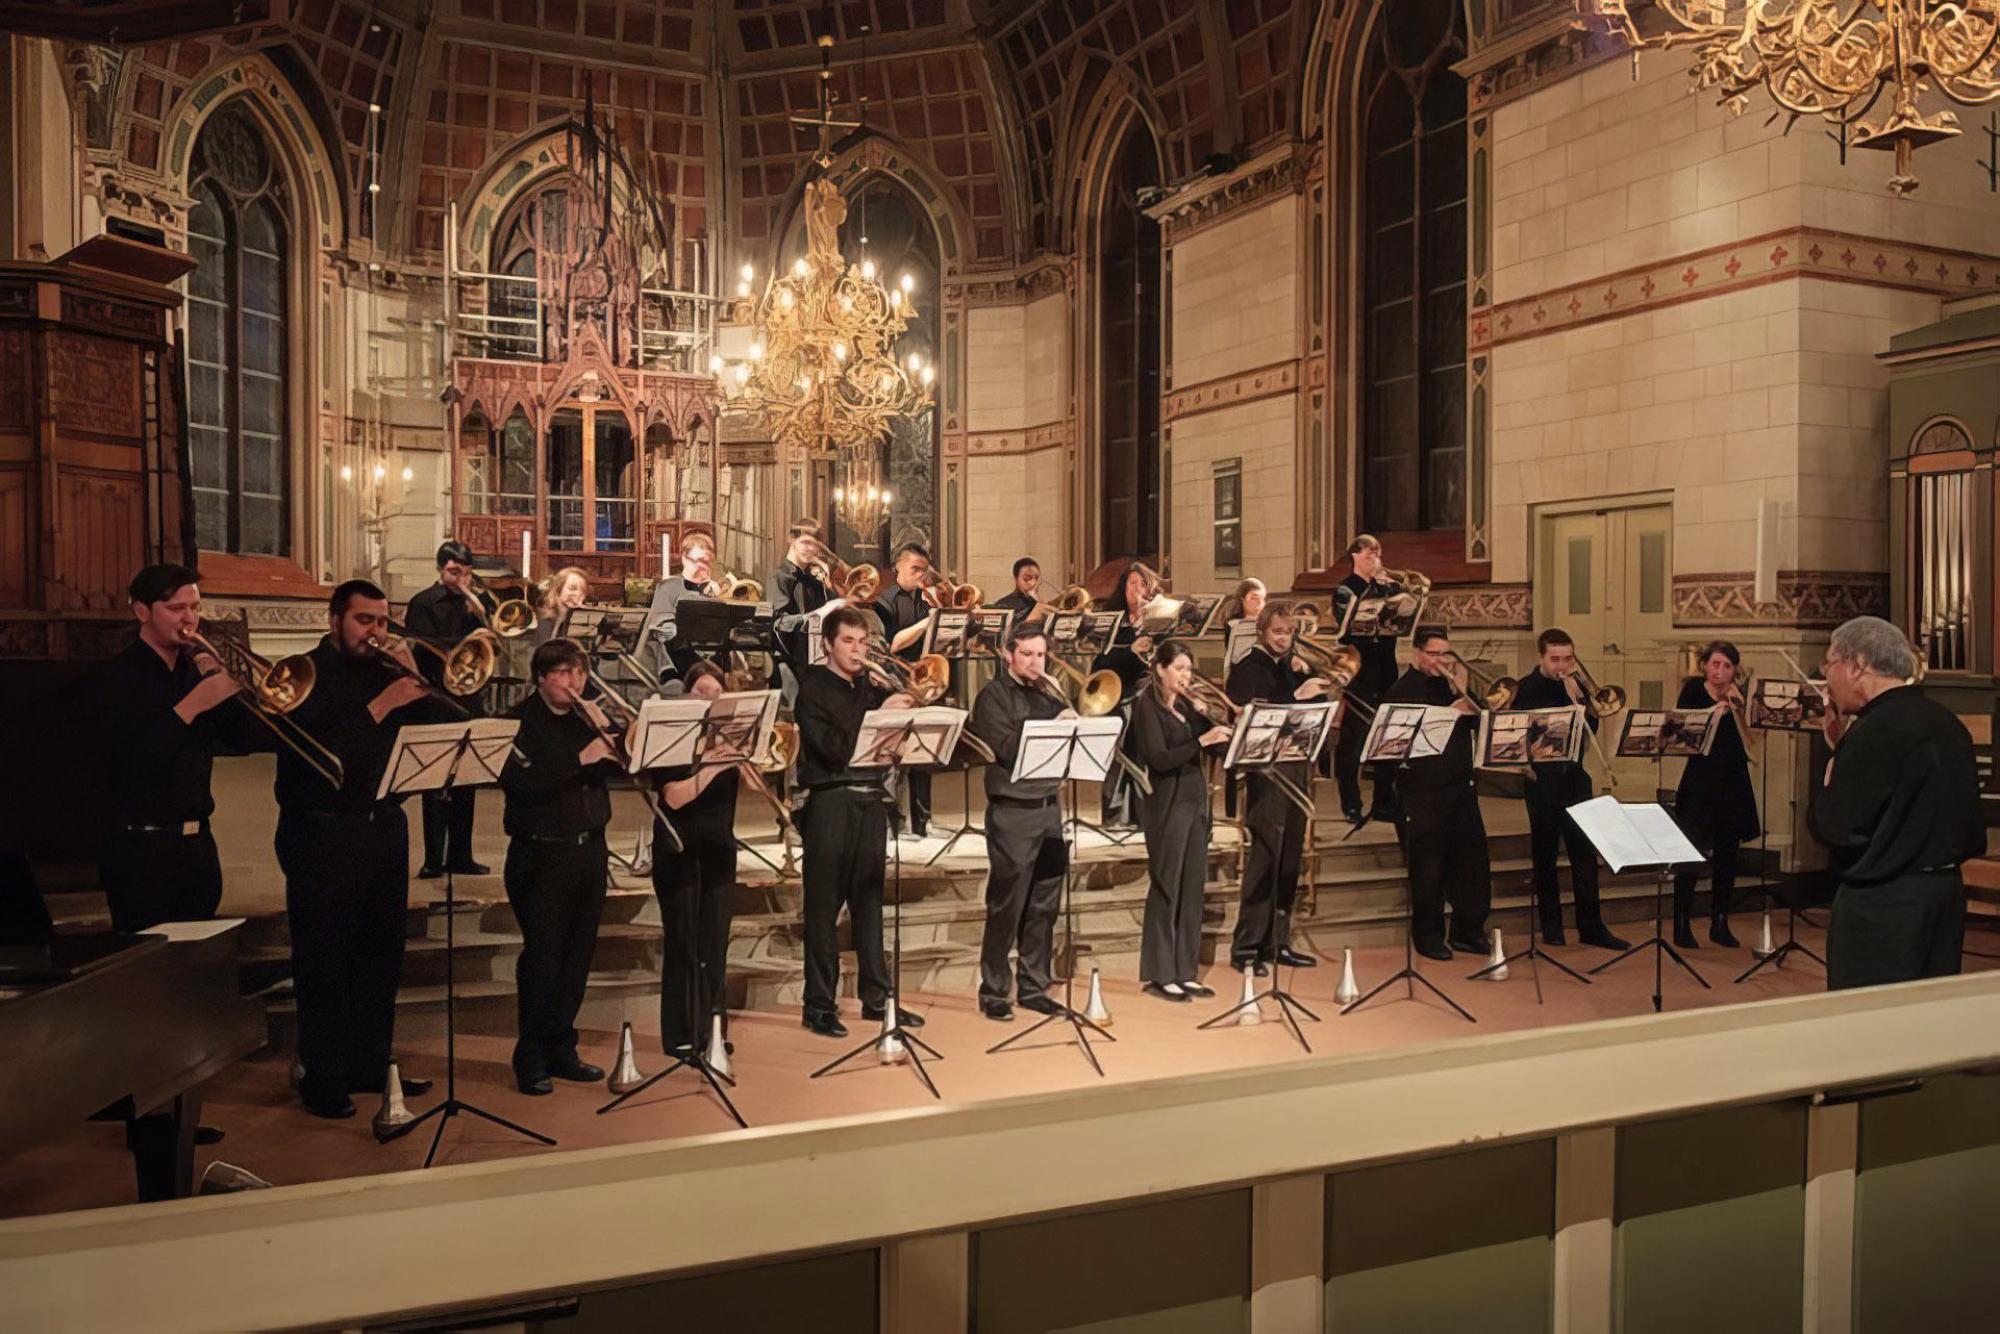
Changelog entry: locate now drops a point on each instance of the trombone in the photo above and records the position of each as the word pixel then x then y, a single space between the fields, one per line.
pixel 947 594
pixel 467 665
pixel 1600 700
pixel 1095 695
pixel 1495 692
pixel 926 680
pixel 270 691
pixel 734 588
pixel 616 746
pixel 1337 667
pixel 1074 598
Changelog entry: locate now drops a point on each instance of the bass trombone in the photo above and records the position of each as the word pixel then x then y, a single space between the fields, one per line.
pixel 1337 666
pixel 270 691
pixel 1095 695
pixel 1495 692
pixel 466 666
pixel 1600 700
pixel 926 680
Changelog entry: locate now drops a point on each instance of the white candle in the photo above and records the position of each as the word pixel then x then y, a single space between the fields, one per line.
pixel 663 555
pixel 524 553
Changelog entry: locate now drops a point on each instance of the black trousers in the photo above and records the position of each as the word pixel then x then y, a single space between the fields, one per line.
pixel 347 893
pixel 1176 880
pixel 448 834
pixel 1444 846
pixel 556 887
pixel 693 886
pixel 1347 766
pixel 917 798
pixel 845 833
pixel 1024 845
pixel 1116 796
pixel 1905 929
pixel 1270 872
pixel 1549 829
pixel 1722 884
pixel 154 876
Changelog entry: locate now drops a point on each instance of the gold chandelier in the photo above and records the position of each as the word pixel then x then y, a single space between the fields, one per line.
pixel 1837 59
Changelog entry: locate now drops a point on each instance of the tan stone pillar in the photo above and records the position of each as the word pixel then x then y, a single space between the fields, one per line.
pixel 1586 1186
pixel 1287 1255
pixel 927 1284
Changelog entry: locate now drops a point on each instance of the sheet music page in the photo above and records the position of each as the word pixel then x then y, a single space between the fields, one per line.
pixel 666 732
pixel 1046 741
pixel 1657 826
pixel 920 737
pixel 1434 733
pixel 1640 834
pixel 423 754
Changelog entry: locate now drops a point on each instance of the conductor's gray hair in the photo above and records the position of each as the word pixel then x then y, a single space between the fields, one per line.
pixel 1875 646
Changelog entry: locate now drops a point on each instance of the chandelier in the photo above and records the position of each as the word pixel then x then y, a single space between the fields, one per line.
pixel 1837 59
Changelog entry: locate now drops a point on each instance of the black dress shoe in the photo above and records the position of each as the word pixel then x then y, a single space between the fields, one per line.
pixel 904 1018
pixel 1354 815
pixel 1719 932
pixel 577 1072
pixel 1291 958
pixel 333 1109
pixel 1041 1004
pixel 416 1088
pixel 207 1135
pixel 1168 991
pixel 471 868
pixel 997 1010
pixel 429 872
pixel 1435 949
pixel 535 1086
pixel 1476 945
pixel 1684 937
pixel 1603 939
pixel 826 1025
pixel 1197 990
pixel 1555 937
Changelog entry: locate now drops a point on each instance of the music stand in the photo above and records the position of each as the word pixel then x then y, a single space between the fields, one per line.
pixel 1767 716
pixel 965 635
pixel 1269 735
pixel 1640 834
pixel 1068 750
pixel 927 735
pixel 663 737
pixel 429 757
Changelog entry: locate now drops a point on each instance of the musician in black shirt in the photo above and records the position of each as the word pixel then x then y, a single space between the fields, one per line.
pixel 161 713
pixel 1271 673
pixel 1437 818
pixel 441 616
pixel 1715 804
pixel 1898 807
pixel 346 855
pixel 844 825
pixel 1378 672
pixel 693 885
pixel 1024 598
pixel 1024 834
pixel 796 592
pixel 904 612
pixel 1168 735
pixel 662 629
pixel 1127 654
pixel 1553 788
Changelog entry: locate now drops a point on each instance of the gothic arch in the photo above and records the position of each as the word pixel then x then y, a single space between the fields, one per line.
pixel 880 155
pixel 520 169
pixel 1102 99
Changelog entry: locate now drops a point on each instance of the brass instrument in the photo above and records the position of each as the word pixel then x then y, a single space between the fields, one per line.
pixel 616 746
pixel 1337 665
pixel 926 680
pixel 734 588
pixel 270 691
pixel 1158 615
pixel 1410 582
pixel 1495 692
pixel 1096 695
pixel 467 665
pixel 947 594
pixel 1074 598
pixel 1600 700
pixel 1212 701
pixel 513 618
pixel 855 583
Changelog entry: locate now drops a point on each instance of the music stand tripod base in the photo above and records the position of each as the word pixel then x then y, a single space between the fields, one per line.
pixel 1661 948
pixel 1534 954
pixel 693 1061
pixel 1285 1001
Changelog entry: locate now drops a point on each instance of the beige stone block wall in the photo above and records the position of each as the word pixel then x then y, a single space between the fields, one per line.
pixel 1017 380
pixel 1045 360
pixel 1262 434
pixel 995 395
pixel 1013 509
pixel 1236 294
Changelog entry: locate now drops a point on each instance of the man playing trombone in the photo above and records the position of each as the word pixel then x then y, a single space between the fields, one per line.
pixel 1023 599
pixel 557 780
pixel 154 711
pixel 904 611
pixel 1437 810
pixel 662 627
pixel 1378 672
pixel 1270 672
pixel 796 592
pixel 440 616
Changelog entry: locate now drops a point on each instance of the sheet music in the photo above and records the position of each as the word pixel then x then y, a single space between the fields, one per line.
pixel 919 737
pixel 1409 731
pixel 1639 833
pixel 1279 733
pixel 681 731
pixel 423 755
pixel 1239 640
pixel 1046 751
pixel 816 630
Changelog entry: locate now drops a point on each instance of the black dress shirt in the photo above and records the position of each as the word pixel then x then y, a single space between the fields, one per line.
pixel 1455 765
pixel 1261 677
pixel 336 713
pixel 996 719
pixel 550 794
pixel 156 767
pixel 901 608
pixel 1378 653
pixel 794 594
pixel 1540 691
pixel 440 617
pixel 1905 792
pixel 828 711
pixel 1119 657
pixel 712 812
pixel 1167 741
pixel 1015 600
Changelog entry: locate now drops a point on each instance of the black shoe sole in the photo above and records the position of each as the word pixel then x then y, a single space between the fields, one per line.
pixel 998 1016
pixel 330 1113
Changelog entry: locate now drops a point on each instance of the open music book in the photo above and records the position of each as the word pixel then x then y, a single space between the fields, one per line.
pixel 1638 833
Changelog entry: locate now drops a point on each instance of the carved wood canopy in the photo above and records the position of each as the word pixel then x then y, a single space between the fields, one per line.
pixel 126 22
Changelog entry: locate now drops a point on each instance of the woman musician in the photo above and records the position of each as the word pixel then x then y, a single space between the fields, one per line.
pixel 1168 736
pixel 1716 805
pixel 566 590
pixel 1126 655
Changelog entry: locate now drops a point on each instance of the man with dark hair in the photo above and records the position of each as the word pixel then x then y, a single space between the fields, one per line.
pixel 1554 788
pixel 662 629
pixel 558 802
pixel 844 825
pixel 160 714
pixel 346 855
pixel 1270 673
pixel 904 612
pixel 1437 817
pixel 1024 834
pixel 1378 671
pixel 440 616
pixel 1023 599
pixel 797 592
pixel 1897 805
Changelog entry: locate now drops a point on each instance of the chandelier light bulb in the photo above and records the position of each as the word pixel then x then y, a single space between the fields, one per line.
pixel 743 373
pixel 380 471
pixel 915 362
pixel 756 351
pixel 885 495
pixel 908 284
pixel 896 299
pixel 346 473
pixel 840 352
pixel 408 474
pixel 868 269
pixel 801 267
pixel 874 493
pixel 743 288
pixel 929 375
pixel 749 273
pixel 785 297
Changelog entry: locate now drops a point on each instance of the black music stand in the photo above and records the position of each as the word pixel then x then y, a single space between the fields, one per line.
pixel 876 727
pixel 1262 732
pixel 427 757
pixel 1057 748
pixel 1790 945
pixel 1640 834
pixel 969 646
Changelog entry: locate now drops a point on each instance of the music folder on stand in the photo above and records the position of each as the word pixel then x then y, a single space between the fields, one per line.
pixel 1763 715
pixel 1070 750
pixel 441 758
pixel 892 739
pixel 1640 833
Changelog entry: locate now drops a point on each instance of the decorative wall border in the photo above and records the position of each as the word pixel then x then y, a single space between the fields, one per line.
pixel 1807 599
pixel 1028 440
pixel 1050 276
pixel 1482 607
pixel 1534 55
pixel 1205 202
pixel 1796 252
pixel 1229 391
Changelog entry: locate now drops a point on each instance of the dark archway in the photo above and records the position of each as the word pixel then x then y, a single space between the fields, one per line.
pixel 1129 280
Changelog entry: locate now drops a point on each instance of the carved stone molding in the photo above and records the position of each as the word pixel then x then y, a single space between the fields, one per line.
pixel 1797 252
pixel 1230 390
pixel 1483 607
pixel 1030 440
pixel 285 616
pixel 1533 56
pixel 1050 276
pixel 1204 203
pixel 1807 599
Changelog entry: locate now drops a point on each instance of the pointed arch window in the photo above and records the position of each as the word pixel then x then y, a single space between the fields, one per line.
pixel 1413 411
pixel 238 352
